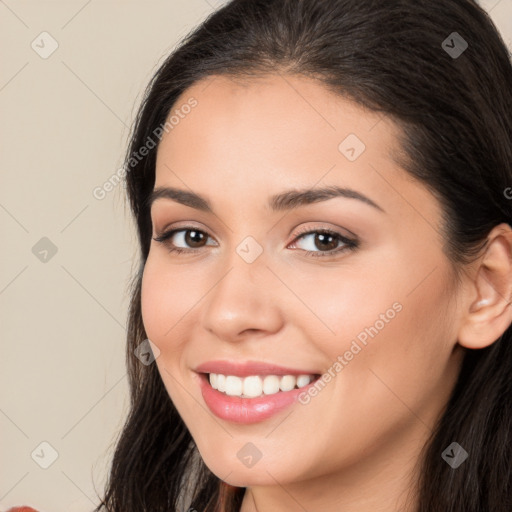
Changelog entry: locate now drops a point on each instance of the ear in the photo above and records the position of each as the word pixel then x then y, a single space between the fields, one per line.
pixel 490 314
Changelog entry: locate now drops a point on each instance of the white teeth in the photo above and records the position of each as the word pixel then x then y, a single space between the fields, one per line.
pixel 221 382
pixel 233 385
pixel 254 385
pixel 287 382
pixel 303 380
pixel 271 384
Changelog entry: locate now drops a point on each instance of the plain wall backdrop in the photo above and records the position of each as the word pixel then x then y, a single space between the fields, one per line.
pixel 72 76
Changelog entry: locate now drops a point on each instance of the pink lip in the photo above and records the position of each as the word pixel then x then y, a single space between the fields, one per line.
pixel 249 368
pixel 247 410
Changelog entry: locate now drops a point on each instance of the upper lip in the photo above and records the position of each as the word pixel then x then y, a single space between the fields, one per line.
pixel 244 369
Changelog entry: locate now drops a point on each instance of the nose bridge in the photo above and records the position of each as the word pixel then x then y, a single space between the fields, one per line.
pixel 242 297
pixel 245 265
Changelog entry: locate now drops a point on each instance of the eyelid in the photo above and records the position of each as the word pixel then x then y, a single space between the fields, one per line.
pixel 300 231
pixel 349 242
pixel 173 226
pixel 336 230
pixel 168 232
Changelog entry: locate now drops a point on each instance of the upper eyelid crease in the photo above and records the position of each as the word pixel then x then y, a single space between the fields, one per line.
pixel 167 234
pixel 279 202
pixel 348 244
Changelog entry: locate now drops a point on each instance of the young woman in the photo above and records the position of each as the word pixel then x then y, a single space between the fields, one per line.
pixel 322 195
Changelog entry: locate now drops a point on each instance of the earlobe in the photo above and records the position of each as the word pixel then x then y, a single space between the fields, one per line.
pixel 490 314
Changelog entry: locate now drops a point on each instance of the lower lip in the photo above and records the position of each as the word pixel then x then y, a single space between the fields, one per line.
pixel 247 410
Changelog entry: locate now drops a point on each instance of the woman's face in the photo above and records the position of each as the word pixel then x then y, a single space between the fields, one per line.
pixel 369 307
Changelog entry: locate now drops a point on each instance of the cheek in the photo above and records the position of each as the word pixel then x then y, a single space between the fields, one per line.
pixel 164 318
pixel 404 363
pixel 338 305
pixel 389 299
pixel 154 302
pixel 164 311
pixel 391 319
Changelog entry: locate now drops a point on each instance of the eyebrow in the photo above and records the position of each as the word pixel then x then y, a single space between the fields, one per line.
pixel 283 201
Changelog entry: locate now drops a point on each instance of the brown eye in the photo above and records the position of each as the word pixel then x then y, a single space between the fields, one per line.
pixel 194 238
pixel 183 240
pixel 325 241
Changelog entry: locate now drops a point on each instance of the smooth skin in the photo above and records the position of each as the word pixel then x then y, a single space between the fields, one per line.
pixel 354 446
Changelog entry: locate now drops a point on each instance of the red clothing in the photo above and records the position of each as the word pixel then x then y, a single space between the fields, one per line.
pixel 21 509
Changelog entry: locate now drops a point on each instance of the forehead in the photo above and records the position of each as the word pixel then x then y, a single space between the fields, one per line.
pixel 266 105
pixel 276 117
pixel 262 134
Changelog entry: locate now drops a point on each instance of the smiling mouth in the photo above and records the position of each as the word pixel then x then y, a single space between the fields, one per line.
pixel 254 386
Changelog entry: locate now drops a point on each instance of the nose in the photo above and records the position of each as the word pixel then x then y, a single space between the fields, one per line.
pixel 243 302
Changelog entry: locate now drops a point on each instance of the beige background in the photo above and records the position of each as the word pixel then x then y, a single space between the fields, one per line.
pixel 64 127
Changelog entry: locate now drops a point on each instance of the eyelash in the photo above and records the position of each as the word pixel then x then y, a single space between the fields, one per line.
pixel 350 245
